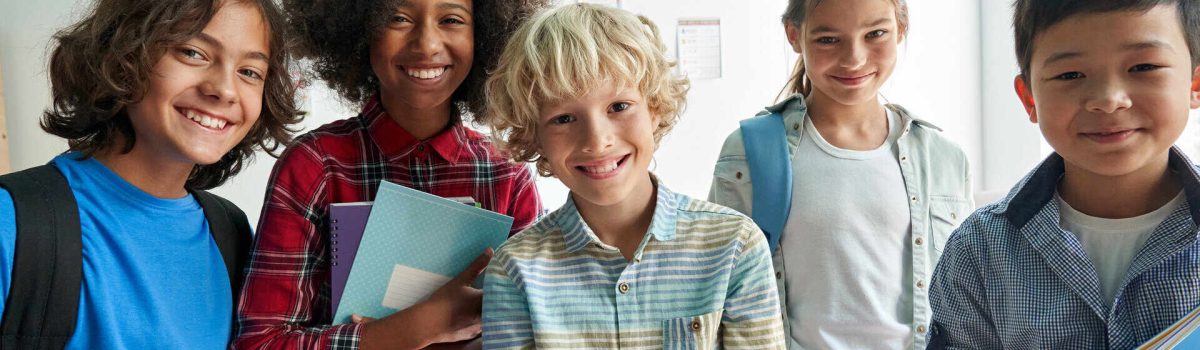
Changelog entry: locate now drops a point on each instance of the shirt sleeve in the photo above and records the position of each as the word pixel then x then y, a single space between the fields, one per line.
pixel 506 317
pixel 961 319
pixel 731 185
pixel 8 241
pixel 285 300
pixel 752 318
pixel 526 206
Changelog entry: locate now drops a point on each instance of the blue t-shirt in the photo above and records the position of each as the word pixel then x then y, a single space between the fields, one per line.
pixel 152 276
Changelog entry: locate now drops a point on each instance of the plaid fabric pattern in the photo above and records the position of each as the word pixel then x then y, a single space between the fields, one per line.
pixel 286 297
pixel 1011 278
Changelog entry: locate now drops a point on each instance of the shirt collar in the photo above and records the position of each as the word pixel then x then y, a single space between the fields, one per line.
pixel 394 140
pixel 794 110
pixel 1033 192
pixel 578 235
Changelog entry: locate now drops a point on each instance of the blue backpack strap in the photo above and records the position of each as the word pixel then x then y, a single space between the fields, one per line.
pixel 765 140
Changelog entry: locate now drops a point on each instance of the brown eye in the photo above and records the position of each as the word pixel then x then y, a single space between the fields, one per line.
pixel 1069 76
pixel 1144 67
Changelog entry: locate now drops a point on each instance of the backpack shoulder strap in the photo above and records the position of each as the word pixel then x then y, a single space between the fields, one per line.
pixel 765 140
pixel 43 299
pixel 231 231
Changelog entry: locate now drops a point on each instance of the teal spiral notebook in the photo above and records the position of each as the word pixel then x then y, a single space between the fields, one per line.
pixel 414 242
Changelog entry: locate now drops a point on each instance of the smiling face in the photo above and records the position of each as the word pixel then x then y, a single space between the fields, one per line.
pixel 205 95
pixel 424 53
pixel 849 48
pixel 1111 91
pixel 600 144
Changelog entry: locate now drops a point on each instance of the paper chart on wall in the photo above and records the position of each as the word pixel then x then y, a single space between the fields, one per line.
pixel 698 42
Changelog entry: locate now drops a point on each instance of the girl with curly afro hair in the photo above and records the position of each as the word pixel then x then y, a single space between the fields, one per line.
pixel 416 69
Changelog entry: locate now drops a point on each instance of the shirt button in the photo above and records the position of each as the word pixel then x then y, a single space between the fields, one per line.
pixel 739 175
pixel 921 328
pixel 796 126
pixel 919 241
pixel 920 284
pixel 914 199
pixel 420 147
pixel 695 325
pixel 778 275
pixel 903 158
pixel 623 287
pixel 954 216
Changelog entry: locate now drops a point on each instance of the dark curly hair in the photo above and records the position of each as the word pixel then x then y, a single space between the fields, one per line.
pixel 336 35
pixel 103 63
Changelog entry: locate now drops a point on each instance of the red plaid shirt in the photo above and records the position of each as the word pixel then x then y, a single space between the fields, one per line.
pixel 285 300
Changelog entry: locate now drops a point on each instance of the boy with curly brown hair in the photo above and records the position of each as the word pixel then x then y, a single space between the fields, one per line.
pixel 115 243
pixel 416 69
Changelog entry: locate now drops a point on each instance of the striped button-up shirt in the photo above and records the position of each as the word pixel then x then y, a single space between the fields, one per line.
pixel 1012 278
pixel 700 279
pixel 285 300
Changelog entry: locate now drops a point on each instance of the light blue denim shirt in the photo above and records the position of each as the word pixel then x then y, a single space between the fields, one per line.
pixel 936 177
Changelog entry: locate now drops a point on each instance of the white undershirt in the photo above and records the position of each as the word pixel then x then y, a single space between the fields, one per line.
pixel 1111 244
pixel 846 246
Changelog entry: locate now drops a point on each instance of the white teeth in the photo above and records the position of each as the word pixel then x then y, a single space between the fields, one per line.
pixel 601 169
pixel 426 73
pixel 205 121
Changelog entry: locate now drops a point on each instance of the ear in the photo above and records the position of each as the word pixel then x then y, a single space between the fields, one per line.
pixel 1195 93
pixel 1026 97
pixel 793 36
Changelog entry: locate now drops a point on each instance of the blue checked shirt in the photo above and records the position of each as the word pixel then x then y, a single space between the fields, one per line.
pixel 701 279
pixel 1011 278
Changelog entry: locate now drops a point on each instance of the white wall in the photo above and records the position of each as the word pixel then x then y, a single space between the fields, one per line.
pixel 941 71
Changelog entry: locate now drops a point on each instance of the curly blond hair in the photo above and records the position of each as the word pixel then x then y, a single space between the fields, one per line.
pixel 561 54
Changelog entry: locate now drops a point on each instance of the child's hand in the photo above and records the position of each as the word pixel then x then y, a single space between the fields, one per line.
pixel 451 314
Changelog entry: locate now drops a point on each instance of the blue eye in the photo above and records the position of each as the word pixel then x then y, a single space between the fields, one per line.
pixel 562 119
pixel 619 107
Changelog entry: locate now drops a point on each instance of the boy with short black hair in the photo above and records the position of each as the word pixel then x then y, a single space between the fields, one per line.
pixel 1097 247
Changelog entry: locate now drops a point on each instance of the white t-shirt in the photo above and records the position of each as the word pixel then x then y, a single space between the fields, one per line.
pixel 846 246
pixel 1111 244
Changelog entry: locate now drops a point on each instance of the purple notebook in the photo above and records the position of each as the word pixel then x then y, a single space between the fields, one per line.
pixel 346 224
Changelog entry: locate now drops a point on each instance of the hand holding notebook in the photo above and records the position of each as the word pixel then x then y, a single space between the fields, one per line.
pixel 413 244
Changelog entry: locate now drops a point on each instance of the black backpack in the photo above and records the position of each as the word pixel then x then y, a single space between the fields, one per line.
pixel 43 299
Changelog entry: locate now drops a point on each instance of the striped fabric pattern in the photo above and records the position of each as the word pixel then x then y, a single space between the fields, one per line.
pixel 701 279
pixel 1011 278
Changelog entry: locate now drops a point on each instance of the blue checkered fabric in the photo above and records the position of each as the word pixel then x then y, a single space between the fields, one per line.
pixel 1011 278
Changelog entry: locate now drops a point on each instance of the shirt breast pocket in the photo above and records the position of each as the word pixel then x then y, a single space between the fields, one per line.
pixel 694 332
pixel 733 169
pixel 945 214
